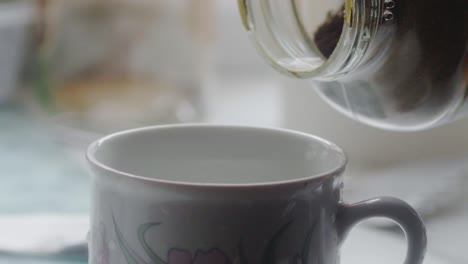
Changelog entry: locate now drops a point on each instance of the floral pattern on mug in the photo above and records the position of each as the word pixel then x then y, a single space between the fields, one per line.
pixel 214 255
pixel 174 255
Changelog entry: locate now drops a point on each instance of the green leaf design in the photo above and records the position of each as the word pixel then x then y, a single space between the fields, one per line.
pixel 131 259
pixel 142 230
pixel 140 260
pixel 269 256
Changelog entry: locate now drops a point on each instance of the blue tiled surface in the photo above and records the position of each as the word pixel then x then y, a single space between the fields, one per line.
pixel 37 176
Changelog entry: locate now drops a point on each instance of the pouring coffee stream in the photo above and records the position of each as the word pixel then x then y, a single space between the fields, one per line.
pixel 393 64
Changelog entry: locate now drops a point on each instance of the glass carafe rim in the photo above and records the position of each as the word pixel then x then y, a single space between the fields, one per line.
pixel 361 23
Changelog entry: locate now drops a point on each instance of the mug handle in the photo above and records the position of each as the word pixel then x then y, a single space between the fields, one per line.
pixel 394 209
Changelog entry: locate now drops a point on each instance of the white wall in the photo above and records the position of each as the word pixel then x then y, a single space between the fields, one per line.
pixel 233 51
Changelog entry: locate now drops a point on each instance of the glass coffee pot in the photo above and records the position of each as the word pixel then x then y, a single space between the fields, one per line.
pixel 393 64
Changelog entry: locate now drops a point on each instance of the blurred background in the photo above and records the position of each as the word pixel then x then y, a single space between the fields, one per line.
pixel 74 70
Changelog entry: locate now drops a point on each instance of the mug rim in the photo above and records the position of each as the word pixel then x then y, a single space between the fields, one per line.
pixel 338 169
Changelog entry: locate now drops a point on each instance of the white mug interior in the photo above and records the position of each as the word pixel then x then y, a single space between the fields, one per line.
pixel 216 155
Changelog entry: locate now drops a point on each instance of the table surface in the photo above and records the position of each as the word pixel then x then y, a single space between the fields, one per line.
pixel 51 175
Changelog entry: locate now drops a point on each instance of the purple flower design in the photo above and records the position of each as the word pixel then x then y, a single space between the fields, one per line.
pixel 213 256
pixel 174 255
pixel 179 256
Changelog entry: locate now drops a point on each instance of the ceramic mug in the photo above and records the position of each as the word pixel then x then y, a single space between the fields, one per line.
pixel 206 194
